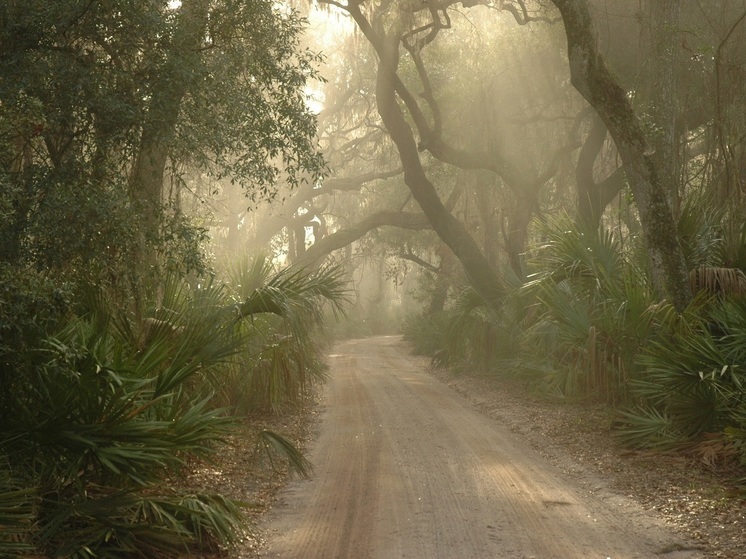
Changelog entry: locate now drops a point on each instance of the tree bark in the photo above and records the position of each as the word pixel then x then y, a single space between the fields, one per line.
pixel 666 15
pixel 146 180
pixel 489 220
pixel 448 228
pixel 593 197
pixel 517 232
pixel 593 80
pixel 443 282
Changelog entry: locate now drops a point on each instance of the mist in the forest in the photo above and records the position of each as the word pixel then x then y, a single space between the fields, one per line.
pixel 514 141
pixel 197 196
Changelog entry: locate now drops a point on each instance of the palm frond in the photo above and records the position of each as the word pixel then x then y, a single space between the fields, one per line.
pixel 695 376
pixel 299 292
pixel 276 446
pixel 646 428
pixel 700 233
pixel 125 524
pixel 278 321
pixel 718 281
pixel 17 515
pixel 245 275
pixel 210 520
pixel 577 254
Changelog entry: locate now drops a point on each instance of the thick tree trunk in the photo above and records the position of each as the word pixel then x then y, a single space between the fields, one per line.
pixel 589 210
pixel 448 228
pixel 490 226
pixel 592 78
pixel 443 281
pixel 664 95
pixel 517 232
pixel 593 197
pixel 146 180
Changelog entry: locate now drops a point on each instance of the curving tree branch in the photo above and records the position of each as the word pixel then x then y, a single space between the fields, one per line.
pixel 348 235
pixel 306 193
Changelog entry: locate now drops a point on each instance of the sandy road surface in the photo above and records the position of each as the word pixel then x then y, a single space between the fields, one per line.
pixel 406 468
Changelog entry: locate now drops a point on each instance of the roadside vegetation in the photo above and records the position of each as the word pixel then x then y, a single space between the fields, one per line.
pixel 192 193
pixel 586 325
pixel 130 347
pixel 102 405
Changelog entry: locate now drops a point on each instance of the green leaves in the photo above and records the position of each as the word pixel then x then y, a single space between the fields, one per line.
pixel 298 294
pixel 16 515
pixel 246 116
pixel 274 446
pixel 279 316
pixel 93 99
pixel 693 386
pixel 103 410
pixel 124 524
pixel 594 310
pixel 99 415
pixel 647 428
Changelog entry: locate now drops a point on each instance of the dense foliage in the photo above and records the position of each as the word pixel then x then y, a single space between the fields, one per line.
pixel 542 230
pixel 123 357
pixel 103 107
pixel 98 408
pixel 587 325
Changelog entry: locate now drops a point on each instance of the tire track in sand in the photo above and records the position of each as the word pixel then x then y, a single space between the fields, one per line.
pixel 406 468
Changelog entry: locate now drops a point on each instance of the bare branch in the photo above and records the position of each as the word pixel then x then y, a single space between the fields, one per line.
pixel 272 224
pixel 409 255
pixel 355 183
pixel 329 110
pixel 523 17
pixel 344 237
pixel 433 28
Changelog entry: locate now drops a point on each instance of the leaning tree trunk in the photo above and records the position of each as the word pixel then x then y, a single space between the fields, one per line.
pixel 593 80
pixel 451 231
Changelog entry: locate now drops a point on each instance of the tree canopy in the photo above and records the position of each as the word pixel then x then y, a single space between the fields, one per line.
pixel 109 103
pixel 554 189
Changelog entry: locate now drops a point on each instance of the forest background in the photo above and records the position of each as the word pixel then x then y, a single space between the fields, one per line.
pixel 191 190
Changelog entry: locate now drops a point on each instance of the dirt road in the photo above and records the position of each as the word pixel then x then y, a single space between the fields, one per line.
pixel 406 468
